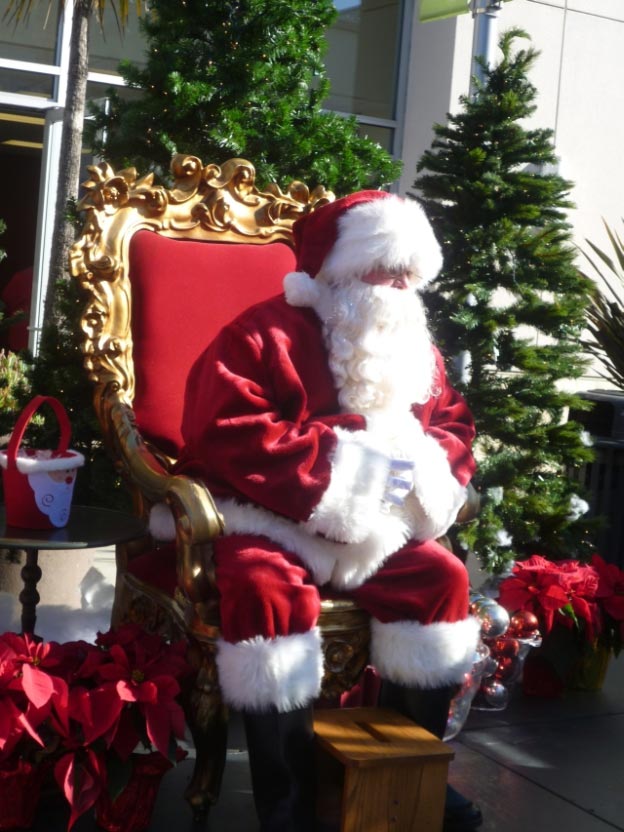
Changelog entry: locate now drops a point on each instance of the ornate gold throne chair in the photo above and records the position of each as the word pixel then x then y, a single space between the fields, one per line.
pixel 163 270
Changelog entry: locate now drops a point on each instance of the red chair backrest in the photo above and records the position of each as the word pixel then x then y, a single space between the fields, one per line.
pixel 183 292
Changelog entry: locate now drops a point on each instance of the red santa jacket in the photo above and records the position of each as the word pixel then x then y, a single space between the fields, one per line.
pixel 263 429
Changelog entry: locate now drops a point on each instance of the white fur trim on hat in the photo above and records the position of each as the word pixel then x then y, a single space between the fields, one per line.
pixel 30 461
pixel 260 673
pixel 424 655
pixel 301 290
pixel 393 233
pixel 162 522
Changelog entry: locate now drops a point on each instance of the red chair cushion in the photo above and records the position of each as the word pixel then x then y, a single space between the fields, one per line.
pixel 183 292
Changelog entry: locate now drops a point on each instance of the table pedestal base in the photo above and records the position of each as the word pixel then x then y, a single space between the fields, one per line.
pixel 29 597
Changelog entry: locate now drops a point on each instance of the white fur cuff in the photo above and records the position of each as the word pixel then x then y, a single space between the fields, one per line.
pixel 349 509
pixel 260 673
pixel 424 655
pixel 438 496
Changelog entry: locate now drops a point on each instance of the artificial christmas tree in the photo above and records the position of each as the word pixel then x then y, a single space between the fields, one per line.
pixel 509 305
pixel 238 78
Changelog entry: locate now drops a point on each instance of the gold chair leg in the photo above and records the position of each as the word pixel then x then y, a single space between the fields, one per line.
pixel 207 719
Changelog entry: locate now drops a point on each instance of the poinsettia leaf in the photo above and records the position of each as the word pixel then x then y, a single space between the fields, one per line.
pixel 37 686
pixel 81 776
pixel 167 686
pixel 158 726
pixel 148 692
pixel 60 701
pixel 553 596
pixel 172 751
pixel 126 691
pixel 28 726
pixel 178 720
pixel 103 707
pixel 561 649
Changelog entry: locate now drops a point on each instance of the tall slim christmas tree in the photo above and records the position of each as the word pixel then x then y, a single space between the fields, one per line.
pixel 509 306
pixel 239 78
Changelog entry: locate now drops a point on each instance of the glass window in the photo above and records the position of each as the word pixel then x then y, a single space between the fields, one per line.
pixel 33 38
pixel 21 128
pixel 362 57
pixel 26 83
pixel 108 44
pixel 382 135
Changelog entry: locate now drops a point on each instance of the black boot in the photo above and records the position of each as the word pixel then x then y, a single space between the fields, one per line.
pixel 281 758
pixel 430 708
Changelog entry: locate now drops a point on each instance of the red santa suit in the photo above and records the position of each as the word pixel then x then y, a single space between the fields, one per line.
pixel 306 486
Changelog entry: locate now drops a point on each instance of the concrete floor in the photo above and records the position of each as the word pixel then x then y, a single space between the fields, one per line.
pixel 538 766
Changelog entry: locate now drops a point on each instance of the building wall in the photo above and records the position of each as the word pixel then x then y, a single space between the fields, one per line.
pixel 579 76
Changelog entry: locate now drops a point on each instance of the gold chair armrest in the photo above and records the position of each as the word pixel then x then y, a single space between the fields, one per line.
pixel 197 520
pixel 197 524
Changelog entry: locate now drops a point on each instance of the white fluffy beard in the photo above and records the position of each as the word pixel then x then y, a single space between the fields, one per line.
pixel 379 345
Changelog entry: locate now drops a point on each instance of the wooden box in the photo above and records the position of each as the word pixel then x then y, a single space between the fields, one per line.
pixel 379 772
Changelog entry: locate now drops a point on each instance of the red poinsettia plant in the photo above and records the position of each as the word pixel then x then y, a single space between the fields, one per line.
pixel 585 597
pixel 82 709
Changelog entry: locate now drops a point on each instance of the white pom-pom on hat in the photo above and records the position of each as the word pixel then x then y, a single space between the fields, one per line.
pixel 301 290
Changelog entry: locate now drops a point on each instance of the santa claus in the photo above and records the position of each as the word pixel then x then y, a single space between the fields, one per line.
pixel 324 425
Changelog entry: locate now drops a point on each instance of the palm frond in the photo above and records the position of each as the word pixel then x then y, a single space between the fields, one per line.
pixel 605 310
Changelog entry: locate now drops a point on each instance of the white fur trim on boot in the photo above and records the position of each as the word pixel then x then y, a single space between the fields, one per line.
pixel 260 673
pixel 424 655
pixel 162 523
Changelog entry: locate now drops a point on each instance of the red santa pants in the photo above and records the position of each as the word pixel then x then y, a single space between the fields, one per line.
pixel 270 654
pixel 266 591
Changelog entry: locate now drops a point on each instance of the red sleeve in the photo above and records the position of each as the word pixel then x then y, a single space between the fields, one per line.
pixel 247 427
pixel 448 420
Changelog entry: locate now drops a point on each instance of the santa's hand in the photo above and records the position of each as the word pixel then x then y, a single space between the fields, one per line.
pixel 400 481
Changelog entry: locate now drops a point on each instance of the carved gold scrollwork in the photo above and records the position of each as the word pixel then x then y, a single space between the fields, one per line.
pixel 205 202
pixel 346 636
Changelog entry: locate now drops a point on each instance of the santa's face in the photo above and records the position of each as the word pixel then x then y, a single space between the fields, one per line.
pixel 397 279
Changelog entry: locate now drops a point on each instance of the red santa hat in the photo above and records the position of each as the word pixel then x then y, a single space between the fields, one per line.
pixel 360 232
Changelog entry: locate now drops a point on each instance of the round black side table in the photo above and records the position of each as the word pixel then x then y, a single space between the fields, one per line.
pixel 88 528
